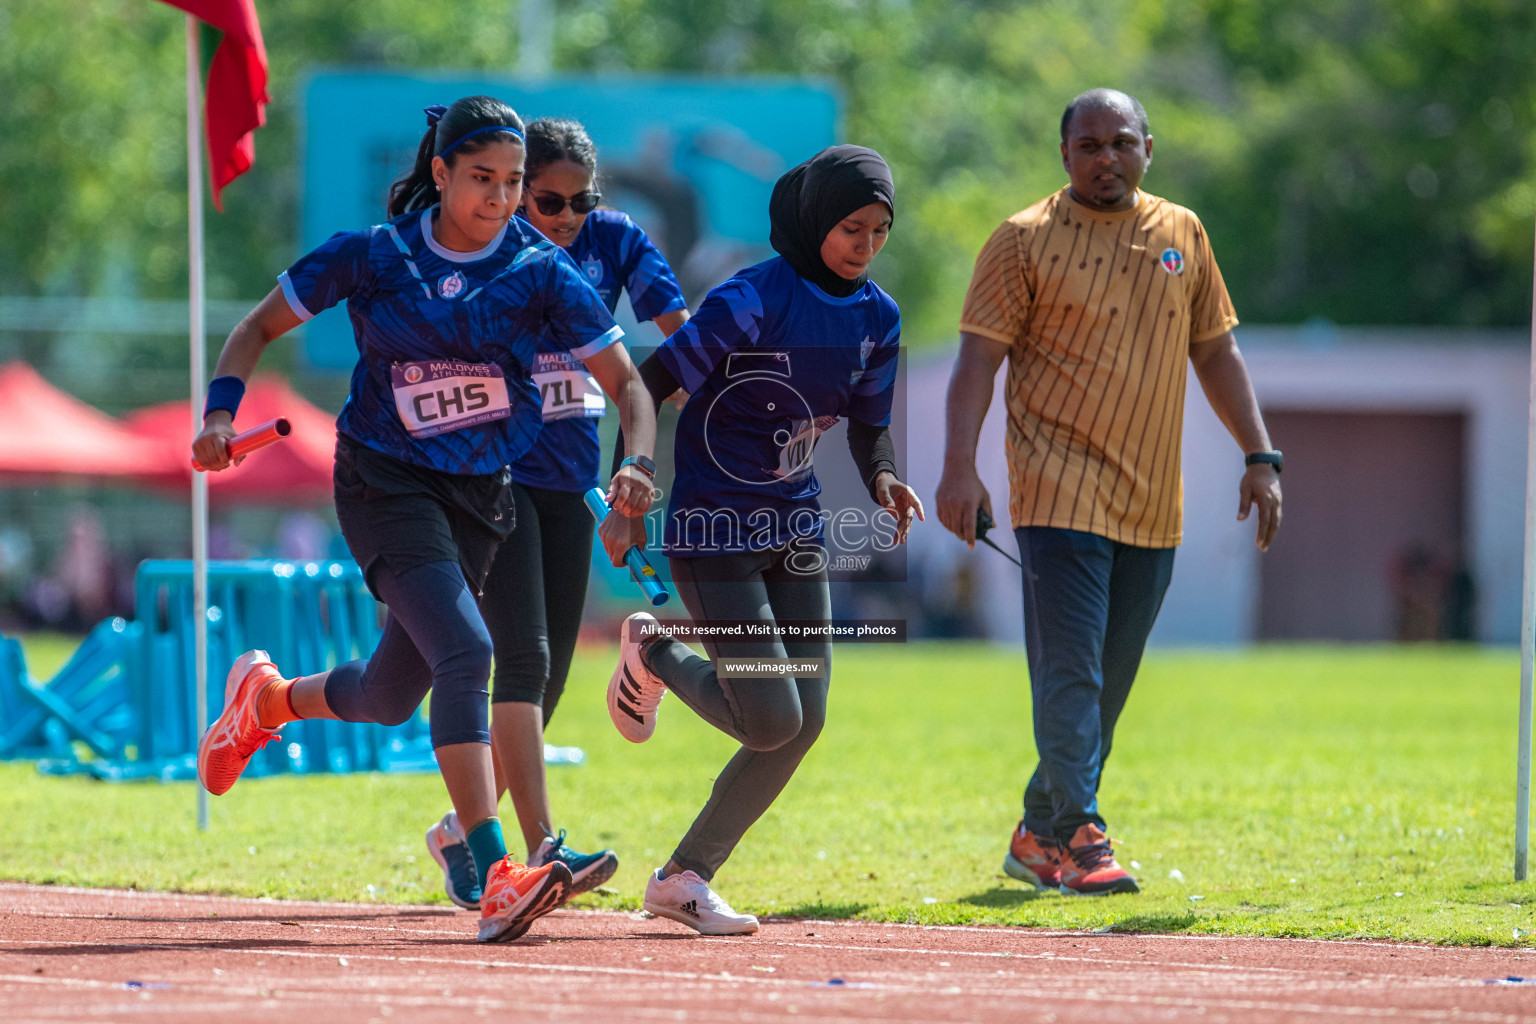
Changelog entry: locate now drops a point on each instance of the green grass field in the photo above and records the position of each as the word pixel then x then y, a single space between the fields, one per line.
pixel 1291 791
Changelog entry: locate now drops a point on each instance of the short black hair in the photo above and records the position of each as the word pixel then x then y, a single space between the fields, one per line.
pixel 1099 99
pixel 552 139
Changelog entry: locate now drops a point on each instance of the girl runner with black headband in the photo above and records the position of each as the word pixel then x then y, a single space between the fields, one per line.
pixel 450 301
pixel 772 358
pixel 534 628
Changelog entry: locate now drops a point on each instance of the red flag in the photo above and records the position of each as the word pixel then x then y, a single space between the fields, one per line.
pixel 237 87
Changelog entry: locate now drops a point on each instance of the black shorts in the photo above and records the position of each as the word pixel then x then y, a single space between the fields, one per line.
pixel 406 516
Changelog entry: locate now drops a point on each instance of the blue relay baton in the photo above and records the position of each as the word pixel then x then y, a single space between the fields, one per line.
pixel 639 568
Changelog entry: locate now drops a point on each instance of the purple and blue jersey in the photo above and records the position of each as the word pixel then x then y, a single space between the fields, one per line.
pixel 614 255
pixel 770 362
pixel 447 341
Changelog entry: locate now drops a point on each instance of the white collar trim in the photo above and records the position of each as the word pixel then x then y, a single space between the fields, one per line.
pixel 451 255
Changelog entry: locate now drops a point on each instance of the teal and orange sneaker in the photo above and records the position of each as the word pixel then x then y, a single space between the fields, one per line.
pixel 588 870
pixel 1088 865
pixel 1032 859
pixel 516 895
pixel 228 744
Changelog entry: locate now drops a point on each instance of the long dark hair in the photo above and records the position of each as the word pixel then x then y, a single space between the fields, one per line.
pixel 448 131
pixel 552 139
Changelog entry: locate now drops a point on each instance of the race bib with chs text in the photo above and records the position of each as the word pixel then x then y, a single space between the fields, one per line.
pixel 435 396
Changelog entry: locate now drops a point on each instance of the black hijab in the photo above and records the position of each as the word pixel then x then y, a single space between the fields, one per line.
pixel 810 200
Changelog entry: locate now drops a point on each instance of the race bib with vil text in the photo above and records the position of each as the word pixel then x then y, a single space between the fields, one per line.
pixel 566 388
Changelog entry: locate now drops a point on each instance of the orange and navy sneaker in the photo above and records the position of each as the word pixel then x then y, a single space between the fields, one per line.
pixel 227 746
pixel 1035 860
pixel 1088 865
pixel 516 895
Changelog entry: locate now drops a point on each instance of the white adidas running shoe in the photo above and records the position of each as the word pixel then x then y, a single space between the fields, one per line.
pixel 685 898
pixel 634 691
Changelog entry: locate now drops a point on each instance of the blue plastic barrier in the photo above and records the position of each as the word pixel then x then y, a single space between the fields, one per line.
pixel 87 701
pixel 129 693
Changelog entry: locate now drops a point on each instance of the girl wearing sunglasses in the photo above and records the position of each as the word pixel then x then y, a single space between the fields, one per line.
pixel 534 628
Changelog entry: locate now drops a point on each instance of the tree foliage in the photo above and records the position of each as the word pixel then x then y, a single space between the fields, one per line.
pixel 1368 161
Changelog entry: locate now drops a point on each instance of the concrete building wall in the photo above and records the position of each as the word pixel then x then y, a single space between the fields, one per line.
pixel 1483 375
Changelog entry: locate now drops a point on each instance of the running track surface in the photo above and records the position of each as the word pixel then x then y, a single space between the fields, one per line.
pixel 96 955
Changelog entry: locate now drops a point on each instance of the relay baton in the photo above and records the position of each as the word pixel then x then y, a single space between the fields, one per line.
pixel 639 568
pixel 242 445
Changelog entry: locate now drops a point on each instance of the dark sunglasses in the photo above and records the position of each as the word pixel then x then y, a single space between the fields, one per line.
pixel 551 203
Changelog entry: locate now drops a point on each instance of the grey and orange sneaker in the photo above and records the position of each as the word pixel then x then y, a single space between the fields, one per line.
pixel 1088 865
pixel 1034 860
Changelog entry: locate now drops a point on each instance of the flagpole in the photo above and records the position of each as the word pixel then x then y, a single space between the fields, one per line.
pixel 199 386
pixel 1527 629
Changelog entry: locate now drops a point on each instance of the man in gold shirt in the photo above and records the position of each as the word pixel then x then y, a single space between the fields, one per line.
pixel 1096 296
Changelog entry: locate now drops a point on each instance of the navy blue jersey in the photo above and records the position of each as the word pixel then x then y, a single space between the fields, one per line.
pixel 447 340
pixel 614 255
pixel 770 362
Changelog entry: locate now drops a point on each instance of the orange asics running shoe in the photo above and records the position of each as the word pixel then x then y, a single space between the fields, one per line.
pixel 516 895
pixel 1033 859
pixel 227 746
pixel 1088 865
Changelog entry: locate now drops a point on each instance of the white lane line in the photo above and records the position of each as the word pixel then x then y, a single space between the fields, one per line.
pixel 1097 934
pixel 993 930
pixel 761 941
pixel 276 921
pixel 289 990
pixel 254 901
pixel 1046 994
pixel 386 958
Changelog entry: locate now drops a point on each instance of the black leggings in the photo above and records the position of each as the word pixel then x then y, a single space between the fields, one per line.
pixel 775 720
pixel 534 628
pixel 433 640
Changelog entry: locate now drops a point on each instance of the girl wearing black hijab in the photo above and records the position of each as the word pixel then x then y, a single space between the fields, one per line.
pixel 771 360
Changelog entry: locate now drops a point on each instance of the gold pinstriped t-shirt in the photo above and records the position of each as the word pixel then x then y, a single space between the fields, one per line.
pixel 1098 310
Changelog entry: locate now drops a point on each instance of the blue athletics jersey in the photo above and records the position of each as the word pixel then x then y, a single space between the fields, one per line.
pixel 447 340
pixel 614 255
pixel 770 362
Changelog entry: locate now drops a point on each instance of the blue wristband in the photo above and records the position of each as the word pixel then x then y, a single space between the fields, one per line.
pixel 224 393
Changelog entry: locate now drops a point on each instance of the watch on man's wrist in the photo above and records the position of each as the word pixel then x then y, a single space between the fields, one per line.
pixel 1276 459
pixel 644 463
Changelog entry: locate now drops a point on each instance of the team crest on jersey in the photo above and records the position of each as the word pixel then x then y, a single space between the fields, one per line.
pixel 593 268
pixel 413 374
pixel 865 348
pixel 1173 261
pixel 452 286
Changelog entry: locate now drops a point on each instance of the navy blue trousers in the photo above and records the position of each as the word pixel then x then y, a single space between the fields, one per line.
pixel 1089 604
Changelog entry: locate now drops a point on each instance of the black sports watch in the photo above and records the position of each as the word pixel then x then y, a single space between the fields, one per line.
pixel 1276 459
pixel 644 463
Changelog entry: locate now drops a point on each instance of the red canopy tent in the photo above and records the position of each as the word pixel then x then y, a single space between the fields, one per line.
pixel 45 432
pixel 296 469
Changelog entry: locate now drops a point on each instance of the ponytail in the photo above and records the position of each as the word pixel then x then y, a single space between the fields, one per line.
pixel 468 126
